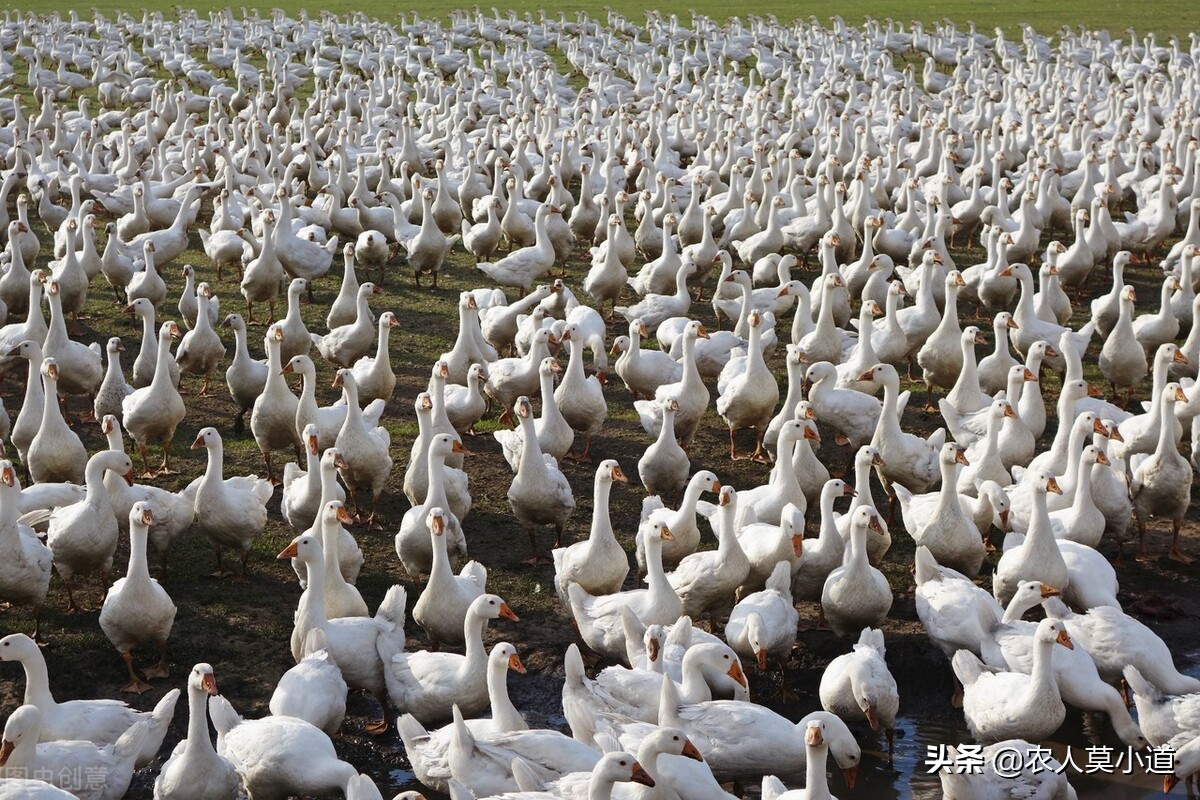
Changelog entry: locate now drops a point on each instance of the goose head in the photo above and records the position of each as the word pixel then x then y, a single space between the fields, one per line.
pixel 445 445
pixel 490 606
pixel 673 741
pixel 203 680
pixel 28 349
pixel 611 472
pixel 207 438
pixel 141 513
pixel 506 654
pixel 523 408
pixel 24 725
pixel 1053 630
pixel 305 547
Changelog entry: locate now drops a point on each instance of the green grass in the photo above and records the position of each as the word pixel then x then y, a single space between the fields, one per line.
pixel 1158 16
pixel 243 629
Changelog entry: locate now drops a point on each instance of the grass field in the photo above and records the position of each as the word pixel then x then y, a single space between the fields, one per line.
pixel 242 629
pixel 1164 17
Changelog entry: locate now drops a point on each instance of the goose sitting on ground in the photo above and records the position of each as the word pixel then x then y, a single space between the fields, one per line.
pixel 313 690
pixel 278 756
pixel 428 751
pixel 66 763
pixel 1007 705
pixel 98 721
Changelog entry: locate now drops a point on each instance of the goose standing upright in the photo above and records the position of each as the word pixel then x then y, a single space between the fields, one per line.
pixel 231 512
pixel 442 607
pixel 750 397
pixel 539 493
pixel 1038 557
pixel 55 452
pixel 856 595
pixel 194 770
pixel 1009 705
pixel 137 609
pixel 365 451
pixel 907 459
pixel 599 563
pixel 1161 481
pixel 273 419
pixel 154 412
pixel 24 561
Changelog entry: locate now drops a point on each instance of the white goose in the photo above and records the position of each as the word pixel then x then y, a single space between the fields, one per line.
pixel 859 686
pixel 98 721
pixel 137 609
pixel 1007 705
pixel 194 770
pixel 231 512
pixel 598 564
pixel 442 607
pixel 599 618
pixel 428 684
pixel 428 752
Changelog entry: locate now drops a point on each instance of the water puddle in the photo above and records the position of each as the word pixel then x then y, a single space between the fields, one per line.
pixel 930 722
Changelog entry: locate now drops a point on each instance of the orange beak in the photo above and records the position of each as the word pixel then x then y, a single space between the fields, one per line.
pixel 514 663
pixel 196 445
pixel 850 776
pixel 1064 639
pixel 640 775
pixel 507 613
pixel 797 544
pixel 1049 591
pixel 761 658
pixel 438 525
pixel 209 682
pixel 735 672
pixel 128 476
pixel 873 717
pixel 961 458
pixel 691 751
pixel 667 536
pixel 288 552
pixel 343 516
pixel 6 749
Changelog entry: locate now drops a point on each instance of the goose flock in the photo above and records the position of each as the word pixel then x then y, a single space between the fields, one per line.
pixel 875 199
